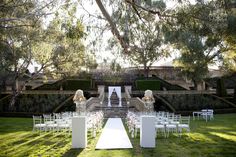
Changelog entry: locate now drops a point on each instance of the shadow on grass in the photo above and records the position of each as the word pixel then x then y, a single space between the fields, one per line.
pixel 73 152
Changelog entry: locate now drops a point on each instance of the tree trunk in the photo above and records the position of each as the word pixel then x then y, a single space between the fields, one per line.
pixel 195 84
pixel 146 70
pixel 15 94
pixel 12 106
pixel 114 29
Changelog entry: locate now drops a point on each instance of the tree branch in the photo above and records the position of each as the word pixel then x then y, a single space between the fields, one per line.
pixel 114 29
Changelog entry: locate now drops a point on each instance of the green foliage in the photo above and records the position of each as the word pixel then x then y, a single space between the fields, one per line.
pixel 24 39
pixel 220 88
pixel 32 103
pixel 115 67
pixel 62 51
pixel 148 84
pixel 195 102
pixel 77 84
pixel 144 38
pixel 68 84
pixel 198 35
pixel 5 99
pixel 53 86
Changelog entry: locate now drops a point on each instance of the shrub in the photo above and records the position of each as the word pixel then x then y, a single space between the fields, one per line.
pixel 77 84
pixel 221 90
pixel 148 84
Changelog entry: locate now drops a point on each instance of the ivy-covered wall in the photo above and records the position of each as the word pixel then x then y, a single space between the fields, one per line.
pixel 195 102
pixel 34 103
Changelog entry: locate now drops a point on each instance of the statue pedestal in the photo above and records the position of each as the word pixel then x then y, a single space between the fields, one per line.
pixel 149 106
pixel 147 132
pixel 79 132
pixel 81 107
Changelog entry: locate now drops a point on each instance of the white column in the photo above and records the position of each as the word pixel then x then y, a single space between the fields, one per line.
pixel 110 89
pixel 147 132
pixel 128 88
pixel 101 88
pixel 120 102
pixel 79 132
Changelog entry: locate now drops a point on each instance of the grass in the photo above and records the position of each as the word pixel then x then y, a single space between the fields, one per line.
pixel 216 138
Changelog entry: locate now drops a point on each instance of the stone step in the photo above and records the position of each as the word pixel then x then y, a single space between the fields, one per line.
pixel 111 112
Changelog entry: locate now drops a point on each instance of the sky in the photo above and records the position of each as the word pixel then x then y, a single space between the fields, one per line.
pixel 102 52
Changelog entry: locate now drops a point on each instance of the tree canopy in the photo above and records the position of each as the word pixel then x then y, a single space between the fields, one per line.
pixel 202 31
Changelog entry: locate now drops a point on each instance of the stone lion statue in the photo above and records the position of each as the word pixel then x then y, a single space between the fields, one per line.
pixel 148 100
pixel 80 102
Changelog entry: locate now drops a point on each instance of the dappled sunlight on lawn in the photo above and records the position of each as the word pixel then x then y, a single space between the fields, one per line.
pixel 200 137
pixel 218 128
pixel 225 136
pixel 216 138
pixel 233 133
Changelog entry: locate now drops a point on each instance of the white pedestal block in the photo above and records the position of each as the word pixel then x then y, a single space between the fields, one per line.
pixel 147 132
pixel 79 132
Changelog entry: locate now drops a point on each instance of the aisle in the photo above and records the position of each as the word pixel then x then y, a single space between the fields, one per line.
pixel 114 136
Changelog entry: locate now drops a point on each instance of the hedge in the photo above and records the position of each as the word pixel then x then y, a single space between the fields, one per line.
pixel 195 102
pixel 70 84
pixel 77 84
pixel 148 84
pixel 53 86
pixel 220 89
pixel 34 103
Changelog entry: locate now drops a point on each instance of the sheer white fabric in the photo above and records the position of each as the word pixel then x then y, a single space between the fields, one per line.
pixel 117 89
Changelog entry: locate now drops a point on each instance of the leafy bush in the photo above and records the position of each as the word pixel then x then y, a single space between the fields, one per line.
pixel 77 84
pixel 68 84
pixel 34 103
pixel 221 90
pixel 53 86
pixel 148 84
pixel 195 102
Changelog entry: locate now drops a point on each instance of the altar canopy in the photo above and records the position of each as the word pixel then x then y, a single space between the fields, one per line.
pixel 117 89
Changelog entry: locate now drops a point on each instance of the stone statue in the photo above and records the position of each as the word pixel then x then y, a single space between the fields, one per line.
pixel 148 100
pixel 80 102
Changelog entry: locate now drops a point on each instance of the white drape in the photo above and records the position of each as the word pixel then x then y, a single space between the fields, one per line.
pixel 118 92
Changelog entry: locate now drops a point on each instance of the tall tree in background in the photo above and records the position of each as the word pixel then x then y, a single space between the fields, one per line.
pixel 61 52
pixel 20 24
pixel 229 56
pixel 200 37
pixel 25 39
pixel 141 39
pixel 208 22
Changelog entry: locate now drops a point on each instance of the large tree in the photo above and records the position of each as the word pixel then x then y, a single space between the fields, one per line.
pixel 25 38
pixel 209 17
pixel 140 38
pixel 19 28
pixel 200 37
pixel 61 52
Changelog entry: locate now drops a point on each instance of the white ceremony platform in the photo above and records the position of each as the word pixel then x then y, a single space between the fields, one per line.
pixel 114 136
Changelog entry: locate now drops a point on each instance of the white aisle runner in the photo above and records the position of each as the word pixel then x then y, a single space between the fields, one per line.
pixel 114 136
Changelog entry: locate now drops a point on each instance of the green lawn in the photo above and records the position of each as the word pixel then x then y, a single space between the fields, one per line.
pixel 216 138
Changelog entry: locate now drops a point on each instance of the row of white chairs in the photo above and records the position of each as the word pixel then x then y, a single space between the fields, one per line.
pixel 207 114
pixel 165 123
pixel 58 122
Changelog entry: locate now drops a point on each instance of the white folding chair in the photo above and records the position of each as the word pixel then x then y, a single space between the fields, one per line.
pixel 160 127
pixel 49 121
pixel 37 123
pixel 184 124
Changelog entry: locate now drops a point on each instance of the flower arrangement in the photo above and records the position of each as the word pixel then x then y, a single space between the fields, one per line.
pixel 147 98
